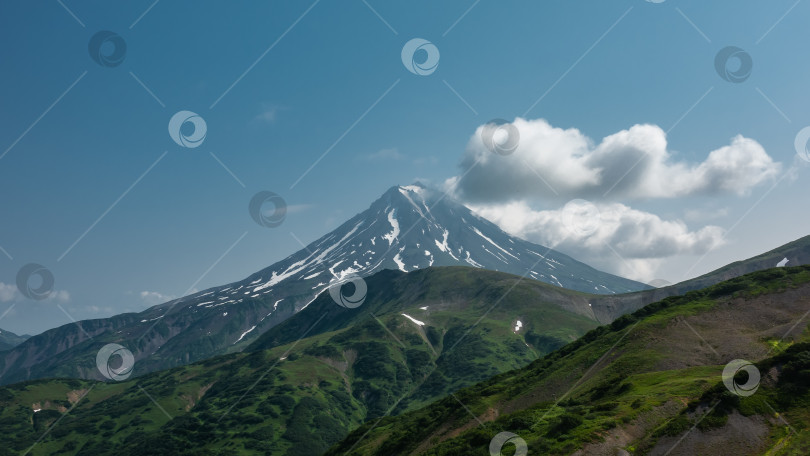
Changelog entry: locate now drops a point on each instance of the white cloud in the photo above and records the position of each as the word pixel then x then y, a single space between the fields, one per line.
pixel 633 163
pixel 8 292
pixel 614 237
pixel 548 166
pixel 152 298
pixel 296 208
pixel 58 296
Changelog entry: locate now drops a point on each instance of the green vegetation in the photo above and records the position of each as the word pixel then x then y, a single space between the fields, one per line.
pixel 640 370
pixel 372 382
pixel 298 397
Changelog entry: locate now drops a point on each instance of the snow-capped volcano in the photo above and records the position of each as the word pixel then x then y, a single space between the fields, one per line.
pixel 407 228
pixel 412 227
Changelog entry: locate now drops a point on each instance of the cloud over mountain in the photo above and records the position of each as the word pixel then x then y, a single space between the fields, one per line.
pixel 633 163
pixel 525 189
pixel 617 237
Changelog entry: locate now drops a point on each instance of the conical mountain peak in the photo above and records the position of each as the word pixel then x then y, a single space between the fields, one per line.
pixel 408 228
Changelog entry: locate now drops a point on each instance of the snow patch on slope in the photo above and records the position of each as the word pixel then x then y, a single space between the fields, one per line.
pixel 400 263
pixel 493 243
pixel 392 236
pixel 303 264
pixel 420 323
pixel 245 333
pixel 472 262
pixel 443 245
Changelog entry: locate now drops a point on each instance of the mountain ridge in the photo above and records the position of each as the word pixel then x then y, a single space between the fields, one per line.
pixel 407 228
pixel 9 340
pixel 420 329
pixel 645 384
pixel 296 399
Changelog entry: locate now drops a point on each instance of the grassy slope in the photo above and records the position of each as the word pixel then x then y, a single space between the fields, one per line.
pixel 352 367
pixel 638 384
pixel 608 308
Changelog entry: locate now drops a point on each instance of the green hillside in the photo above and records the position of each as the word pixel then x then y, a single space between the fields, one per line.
pixel 298 396
pixel 642 385
pixel 371 381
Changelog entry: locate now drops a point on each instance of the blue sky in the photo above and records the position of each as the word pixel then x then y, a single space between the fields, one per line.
pixel 280 84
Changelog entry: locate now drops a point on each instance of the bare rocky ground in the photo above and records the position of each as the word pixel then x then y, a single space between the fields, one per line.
pixel 741 436
pixel 616 439
pixel 735 329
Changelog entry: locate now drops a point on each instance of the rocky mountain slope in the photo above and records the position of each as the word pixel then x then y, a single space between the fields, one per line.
pixel 428 332
pixel 407 228
pixel 795 253
pixel 650 383
pixel 10 340
pixel 403 363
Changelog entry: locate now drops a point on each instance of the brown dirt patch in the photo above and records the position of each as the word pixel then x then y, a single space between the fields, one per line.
pixel 741 436
pixel 76 395
pixel 622 436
